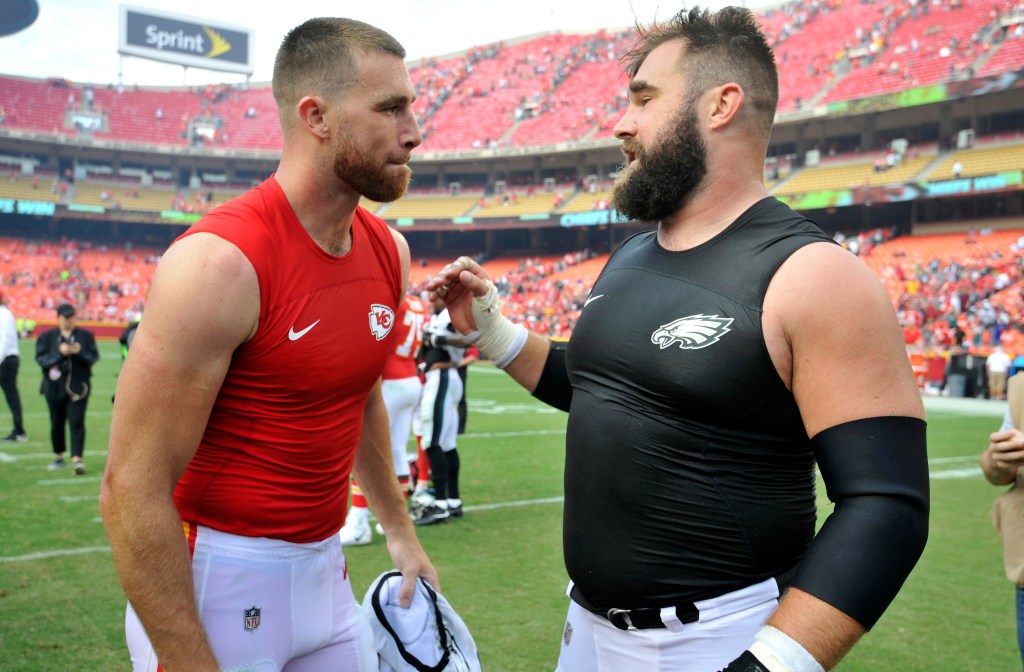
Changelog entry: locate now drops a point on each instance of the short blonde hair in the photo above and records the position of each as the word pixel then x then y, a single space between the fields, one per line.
pixel 318 57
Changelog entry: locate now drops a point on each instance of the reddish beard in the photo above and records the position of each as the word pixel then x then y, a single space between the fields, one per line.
pixel 380 180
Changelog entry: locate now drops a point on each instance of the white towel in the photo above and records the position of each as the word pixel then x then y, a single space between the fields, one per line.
pixel 427 637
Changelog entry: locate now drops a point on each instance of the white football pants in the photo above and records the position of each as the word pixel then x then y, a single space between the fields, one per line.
pixel 727 625
pixel 270 605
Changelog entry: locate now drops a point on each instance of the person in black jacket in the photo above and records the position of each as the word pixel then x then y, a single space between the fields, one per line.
pixel 66 355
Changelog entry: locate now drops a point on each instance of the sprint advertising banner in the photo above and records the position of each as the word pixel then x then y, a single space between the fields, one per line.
pixel 185 40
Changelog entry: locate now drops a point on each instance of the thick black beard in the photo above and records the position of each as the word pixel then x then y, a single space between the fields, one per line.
pixel 664 179
pixel 367 175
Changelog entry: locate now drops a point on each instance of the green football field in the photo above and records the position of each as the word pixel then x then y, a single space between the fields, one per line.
pixel 61 607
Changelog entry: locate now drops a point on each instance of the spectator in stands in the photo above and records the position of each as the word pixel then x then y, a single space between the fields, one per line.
pixel 66 355
pixel 644 415
pixel 10 359
pixel 248 347
pixel 958 169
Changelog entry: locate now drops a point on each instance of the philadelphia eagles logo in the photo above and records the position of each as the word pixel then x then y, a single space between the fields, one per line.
pixel 693 332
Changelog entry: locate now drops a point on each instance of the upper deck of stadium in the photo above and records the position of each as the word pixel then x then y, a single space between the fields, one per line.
pixel 546 90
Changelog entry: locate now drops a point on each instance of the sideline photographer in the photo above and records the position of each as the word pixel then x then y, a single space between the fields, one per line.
pixel 66 355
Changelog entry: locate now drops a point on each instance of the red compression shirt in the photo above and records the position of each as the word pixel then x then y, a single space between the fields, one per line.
pixel 277 452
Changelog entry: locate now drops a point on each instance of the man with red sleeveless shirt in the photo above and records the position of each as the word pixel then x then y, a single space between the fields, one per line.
pixel 253 390
pixel 401 387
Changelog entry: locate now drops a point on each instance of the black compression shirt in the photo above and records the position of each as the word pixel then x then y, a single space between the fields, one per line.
pixel 688 470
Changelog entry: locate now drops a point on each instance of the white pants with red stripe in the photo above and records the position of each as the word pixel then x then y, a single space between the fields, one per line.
pixel 401 397
pixel 727 625
pixel 270 605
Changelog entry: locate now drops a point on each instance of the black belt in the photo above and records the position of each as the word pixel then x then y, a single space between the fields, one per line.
pixel 645 618
pixel 642 618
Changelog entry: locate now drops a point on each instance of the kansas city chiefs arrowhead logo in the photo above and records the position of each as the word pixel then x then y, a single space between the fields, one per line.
pixel 382 318
pixel 693 332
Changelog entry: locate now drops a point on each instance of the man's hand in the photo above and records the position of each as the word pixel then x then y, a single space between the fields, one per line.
pixel 1003 457
pixel 1006 449
pixel 410 559
pixel 457 284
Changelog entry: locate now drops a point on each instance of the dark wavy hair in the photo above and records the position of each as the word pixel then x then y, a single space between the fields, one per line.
pixel 719 47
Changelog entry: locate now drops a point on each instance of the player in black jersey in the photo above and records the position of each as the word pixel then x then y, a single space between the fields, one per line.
pixel 719 357
pixel 443 351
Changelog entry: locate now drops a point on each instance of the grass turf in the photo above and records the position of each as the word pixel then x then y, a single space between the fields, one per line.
pixel 61 607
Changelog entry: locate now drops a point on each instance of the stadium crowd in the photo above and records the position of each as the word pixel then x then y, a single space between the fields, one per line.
pixel 965 292
pixel 883 46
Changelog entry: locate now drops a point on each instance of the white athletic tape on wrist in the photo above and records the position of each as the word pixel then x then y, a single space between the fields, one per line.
pixel 781 653
pixel 496 337
pixel 514 348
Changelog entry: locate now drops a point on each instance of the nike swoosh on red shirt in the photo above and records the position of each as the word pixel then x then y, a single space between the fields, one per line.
pixel 296 335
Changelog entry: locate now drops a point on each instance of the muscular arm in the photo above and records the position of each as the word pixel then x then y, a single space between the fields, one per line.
pixel 404 257
pixel 203 303
pixel 839 347
pixel 375 473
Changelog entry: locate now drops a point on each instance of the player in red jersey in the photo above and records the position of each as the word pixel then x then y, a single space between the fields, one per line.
pixel 253 390
pixel 401 387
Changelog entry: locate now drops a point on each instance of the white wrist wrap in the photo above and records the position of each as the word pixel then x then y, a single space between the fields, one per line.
pixel 496 337
pixel 781 653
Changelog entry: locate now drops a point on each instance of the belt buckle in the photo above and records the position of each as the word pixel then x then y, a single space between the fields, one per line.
pixel 620 619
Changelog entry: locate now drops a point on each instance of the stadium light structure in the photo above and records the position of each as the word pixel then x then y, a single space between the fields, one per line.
pixel 17 15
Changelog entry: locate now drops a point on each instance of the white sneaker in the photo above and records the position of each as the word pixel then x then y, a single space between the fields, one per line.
pixel 379 528
pixel 356 532
pixel 431 515
pixel 421 499
pixel 418 502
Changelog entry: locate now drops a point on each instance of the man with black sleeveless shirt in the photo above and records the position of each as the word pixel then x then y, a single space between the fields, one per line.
pixel 718 358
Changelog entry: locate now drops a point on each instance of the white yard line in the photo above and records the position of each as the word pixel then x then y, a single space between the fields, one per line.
pixel 42 555
pixel 70 480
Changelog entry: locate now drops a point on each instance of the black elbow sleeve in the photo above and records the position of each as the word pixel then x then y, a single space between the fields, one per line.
pixel 553 387
pixel 876 472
